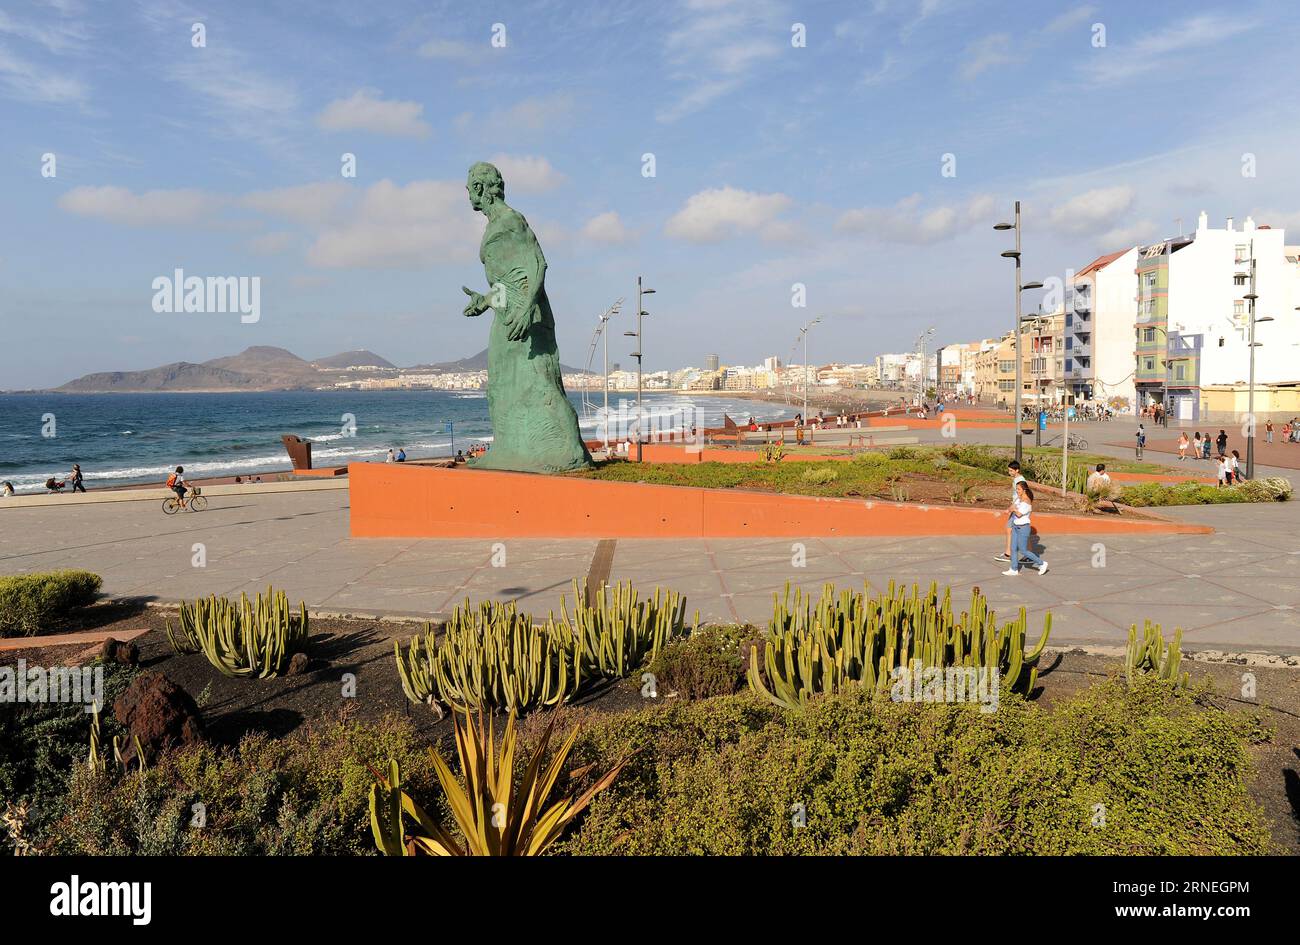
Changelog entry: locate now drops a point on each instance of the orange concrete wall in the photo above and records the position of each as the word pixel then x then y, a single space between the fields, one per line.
pixel 391 501
pixel 652 453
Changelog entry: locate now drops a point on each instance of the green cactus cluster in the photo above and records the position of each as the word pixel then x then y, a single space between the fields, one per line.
pixel 493 655
pixel 1152 655
pixel 853 639
pixel 245 637
pixel 618 631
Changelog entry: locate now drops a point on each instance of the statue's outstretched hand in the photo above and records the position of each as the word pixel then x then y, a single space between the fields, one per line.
pixel 477 303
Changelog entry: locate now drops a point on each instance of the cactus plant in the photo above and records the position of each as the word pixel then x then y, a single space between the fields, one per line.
pixel 244 638
pixel 1151 655
pixel 496 817
pixel 491 655
pixel 494 656
pixel 619 632
pixel 855 639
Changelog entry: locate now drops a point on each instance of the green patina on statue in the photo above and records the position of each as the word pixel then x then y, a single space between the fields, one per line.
pixel 534 427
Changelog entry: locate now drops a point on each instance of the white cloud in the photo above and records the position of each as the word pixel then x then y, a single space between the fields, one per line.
pixel 1092 210
pixel 58 35
pixel 536 113
pixel 450 49
pixel 985 53
pixel 308 204
pixel 1122 237
pixel 527 174
pixel 402 227
pixel 715 214
pixel 151 208
pixel 1158 50
pixel 907 222
pixel 607 228
pixel 1070 19
pixel 27 82
pixel 718 46
pixel 269 244
pixel 365 110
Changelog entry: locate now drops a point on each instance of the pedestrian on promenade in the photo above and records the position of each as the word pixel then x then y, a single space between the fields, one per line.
pixel 1268 432
pixel 76 479
pixel 1205 447
pixel 1182 445
pixel 1019 514
pixel 1225 472
pixel 1286 432
pixel 1140 440
pixel 1013 470
pixel 1234 462
pixel 1222 442
pixel 1196 445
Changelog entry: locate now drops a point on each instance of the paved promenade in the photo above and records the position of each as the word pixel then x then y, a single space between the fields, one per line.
pixel 1238 589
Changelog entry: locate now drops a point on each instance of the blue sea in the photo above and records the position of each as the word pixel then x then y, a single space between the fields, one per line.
pixel 120 439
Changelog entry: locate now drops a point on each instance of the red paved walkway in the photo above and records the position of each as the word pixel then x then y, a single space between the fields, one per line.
pixel 1283 455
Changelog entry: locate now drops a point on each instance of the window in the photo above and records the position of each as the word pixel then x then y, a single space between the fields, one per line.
pixel 1148 307
pixel 1239 279
pixel 1148 364
pixel 1069 364
pixel 1149 335
pixel 1180 372
pixel 1149 280
pixel 1239 308
pixel 1243 252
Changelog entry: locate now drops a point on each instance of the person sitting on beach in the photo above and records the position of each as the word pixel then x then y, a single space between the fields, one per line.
pixel 401 456
pixel 6 488
pixel 460 456
pixel 176 483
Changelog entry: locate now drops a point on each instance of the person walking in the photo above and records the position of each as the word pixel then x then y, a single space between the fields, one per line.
pixel 1013 470
pixel 1222 442
pixel 1268 432
pixel 1205 447
pixel 78 485
pixel 1196 445
pixel 1225 472
pixel 1020 514
pixel 1140 440
pixel 1234 465
pixel 1182 446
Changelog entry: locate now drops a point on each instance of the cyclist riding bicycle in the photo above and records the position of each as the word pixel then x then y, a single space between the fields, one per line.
pixel 176 483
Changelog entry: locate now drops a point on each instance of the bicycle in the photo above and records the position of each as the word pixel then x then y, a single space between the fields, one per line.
pixel 1076 442
pixel 196 501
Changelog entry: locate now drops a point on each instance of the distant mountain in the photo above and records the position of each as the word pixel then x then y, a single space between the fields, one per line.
pixel 475 362
pixel 359 358
pixel 260 367
pixel 257 368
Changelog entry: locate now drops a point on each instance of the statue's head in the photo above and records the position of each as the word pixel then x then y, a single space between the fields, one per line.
pixel 485 185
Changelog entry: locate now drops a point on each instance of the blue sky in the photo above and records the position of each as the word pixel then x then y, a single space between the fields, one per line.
pixel 775 164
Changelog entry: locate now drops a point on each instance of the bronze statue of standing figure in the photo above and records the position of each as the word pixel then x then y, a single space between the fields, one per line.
pixel 534 426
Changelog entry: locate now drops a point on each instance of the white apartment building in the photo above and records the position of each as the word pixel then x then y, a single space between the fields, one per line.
pixel 1099 328
pixel 1193 322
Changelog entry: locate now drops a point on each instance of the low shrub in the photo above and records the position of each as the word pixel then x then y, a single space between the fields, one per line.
pixel 37 603
pixel 1272 489
pixel 872 459
pixel 819 475
pixel 302 796
pixel 710 662
pixel 902 452
pixel 850 774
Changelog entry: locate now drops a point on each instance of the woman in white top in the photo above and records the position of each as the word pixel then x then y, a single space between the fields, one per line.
pixel 1225 471
pixel 1021 510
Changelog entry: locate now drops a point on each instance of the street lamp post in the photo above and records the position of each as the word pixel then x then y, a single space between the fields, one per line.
pixel 803 333
pixel 1015 254
pixel 637 354
pixel 1253 344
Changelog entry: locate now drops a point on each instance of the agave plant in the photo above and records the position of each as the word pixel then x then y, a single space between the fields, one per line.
pixel 494 816
pixel 1152 656
pixel 852 639
pixel 243 638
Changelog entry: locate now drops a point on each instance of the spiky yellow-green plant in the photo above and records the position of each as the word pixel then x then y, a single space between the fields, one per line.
pixel 495 816
pixel 852 639
pixel 242 638
pixel 494 656
pixel 618 631
pixel 491 655
pixel 1151 655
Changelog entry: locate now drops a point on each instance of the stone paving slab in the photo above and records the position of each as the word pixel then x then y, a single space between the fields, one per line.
pixel 1237 589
